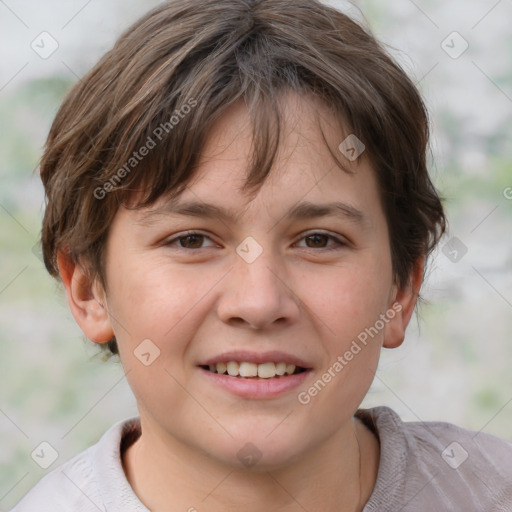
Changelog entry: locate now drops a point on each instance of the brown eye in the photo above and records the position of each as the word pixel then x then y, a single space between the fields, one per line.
pixel 317 240
pixel 321 241
pixel 189 241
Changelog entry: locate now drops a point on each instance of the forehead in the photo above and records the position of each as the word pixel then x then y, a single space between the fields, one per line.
pixel 308 128
pixel 310 175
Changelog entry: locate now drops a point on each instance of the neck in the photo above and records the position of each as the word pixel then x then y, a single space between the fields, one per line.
pixel 337 476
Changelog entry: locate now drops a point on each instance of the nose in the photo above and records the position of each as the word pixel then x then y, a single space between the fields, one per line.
pixel 259 295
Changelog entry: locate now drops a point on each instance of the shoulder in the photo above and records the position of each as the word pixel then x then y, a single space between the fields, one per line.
pixel 441 464
pixel 82 483
pixel 60 489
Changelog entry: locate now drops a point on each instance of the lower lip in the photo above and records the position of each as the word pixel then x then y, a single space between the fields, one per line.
pixel 253 388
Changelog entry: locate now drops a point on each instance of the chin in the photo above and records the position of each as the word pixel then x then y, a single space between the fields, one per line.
pixel 257 452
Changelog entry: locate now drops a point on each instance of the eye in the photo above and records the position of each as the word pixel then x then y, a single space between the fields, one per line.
pixel 189 240
pixel 317 240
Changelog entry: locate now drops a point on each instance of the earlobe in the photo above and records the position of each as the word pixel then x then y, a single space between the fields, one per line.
pixel 403 303
pixel 86 300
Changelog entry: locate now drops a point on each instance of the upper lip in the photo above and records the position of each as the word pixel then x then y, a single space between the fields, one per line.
pixel 257 358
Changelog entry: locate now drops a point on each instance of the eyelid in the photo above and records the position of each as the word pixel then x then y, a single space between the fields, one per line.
pixel 338 239
pixel 184 234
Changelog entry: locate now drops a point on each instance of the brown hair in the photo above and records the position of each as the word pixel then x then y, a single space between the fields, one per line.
pixel 172 74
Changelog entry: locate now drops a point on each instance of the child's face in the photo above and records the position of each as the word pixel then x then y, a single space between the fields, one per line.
pixel 307 297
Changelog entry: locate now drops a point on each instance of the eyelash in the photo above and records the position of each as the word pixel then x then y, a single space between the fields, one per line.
pixel 339 243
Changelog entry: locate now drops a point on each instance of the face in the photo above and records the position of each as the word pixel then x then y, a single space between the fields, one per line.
pixel 267 282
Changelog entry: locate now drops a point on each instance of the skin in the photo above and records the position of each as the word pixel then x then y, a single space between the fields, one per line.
pixel 197 298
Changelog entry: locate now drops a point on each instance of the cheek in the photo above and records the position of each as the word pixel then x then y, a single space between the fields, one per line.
pixel 156 300
pixel 154 325
pixel 143 304
pixel 348 306
pixel 348 299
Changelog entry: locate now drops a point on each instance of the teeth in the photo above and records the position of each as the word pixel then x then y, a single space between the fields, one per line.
pixel 245 369
pixel 248 370
pixel 233 368
pixel 266 370
pixel 280 368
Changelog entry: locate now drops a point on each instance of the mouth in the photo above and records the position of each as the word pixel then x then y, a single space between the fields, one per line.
pixel 255 381
pixel 254 371
pixel 261 375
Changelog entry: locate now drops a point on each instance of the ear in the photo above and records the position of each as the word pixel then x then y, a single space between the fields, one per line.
pixel 403 301
pixel 86 300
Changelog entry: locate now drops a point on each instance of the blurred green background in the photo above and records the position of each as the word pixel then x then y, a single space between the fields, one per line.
pixel 455 363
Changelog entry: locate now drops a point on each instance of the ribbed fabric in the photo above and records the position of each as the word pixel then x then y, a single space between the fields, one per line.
pixel 474 475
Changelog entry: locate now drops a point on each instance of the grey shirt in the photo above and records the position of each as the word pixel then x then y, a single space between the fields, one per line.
pixel 424 466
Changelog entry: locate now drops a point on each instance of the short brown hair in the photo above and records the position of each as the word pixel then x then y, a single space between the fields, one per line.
pixel 207 55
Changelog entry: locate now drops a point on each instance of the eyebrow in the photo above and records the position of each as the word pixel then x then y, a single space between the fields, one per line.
pixel 301 211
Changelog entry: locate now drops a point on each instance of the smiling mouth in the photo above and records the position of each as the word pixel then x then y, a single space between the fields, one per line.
pixel 254 371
